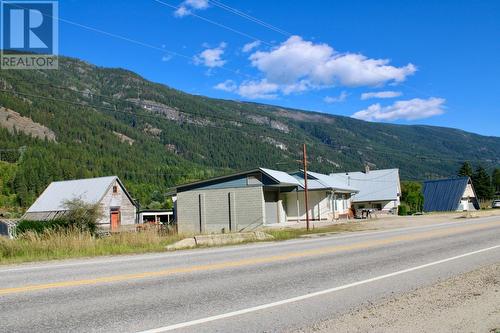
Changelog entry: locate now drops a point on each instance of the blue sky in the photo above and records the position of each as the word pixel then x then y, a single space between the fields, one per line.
pixel 407 62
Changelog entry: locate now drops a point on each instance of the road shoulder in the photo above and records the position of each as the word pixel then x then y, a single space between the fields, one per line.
pixel 465 303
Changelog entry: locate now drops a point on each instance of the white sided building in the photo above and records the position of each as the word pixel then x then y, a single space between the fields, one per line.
pixel 378 189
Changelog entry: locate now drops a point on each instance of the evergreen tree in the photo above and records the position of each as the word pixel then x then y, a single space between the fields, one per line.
pixel 482 184
pixel 465 170
pixel 496 179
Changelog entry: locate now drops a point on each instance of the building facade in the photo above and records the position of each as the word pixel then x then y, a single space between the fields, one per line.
pixel 118 209
pixel 378 189
pixel 238 202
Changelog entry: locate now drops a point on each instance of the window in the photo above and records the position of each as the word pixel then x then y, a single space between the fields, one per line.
pixel 115 189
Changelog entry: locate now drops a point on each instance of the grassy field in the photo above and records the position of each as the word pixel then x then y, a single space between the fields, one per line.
pixel 65 244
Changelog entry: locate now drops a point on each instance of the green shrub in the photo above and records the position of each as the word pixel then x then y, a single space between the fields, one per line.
pixel 41 226
pixel 403 209
pixel 82 216
pixel 79 215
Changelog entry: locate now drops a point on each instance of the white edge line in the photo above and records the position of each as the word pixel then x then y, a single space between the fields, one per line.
pixel 311 295
pixel 153 256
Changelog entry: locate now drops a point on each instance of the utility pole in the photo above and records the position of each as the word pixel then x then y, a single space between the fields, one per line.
pixel 305 185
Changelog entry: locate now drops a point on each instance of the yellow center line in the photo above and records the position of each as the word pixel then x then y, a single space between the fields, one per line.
pixel 250 261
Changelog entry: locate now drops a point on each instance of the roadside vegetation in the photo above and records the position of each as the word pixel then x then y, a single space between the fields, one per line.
pixel 76 235
pixel 73 243
pixel 412 199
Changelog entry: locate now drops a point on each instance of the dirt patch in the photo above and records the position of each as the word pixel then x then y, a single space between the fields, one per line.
pixel 123 138
pixel 13 121
pixel 466 303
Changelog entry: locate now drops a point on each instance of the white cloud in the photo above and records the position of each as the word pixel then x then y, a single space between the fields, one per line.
pixel 188 6
pixel 380 94
pixel 258 89
pixel 297 65
pixel 321 66
pixel 166 57
pixel 409 110
pixel 228 85
pixel 250 46
pixel 340 98
pixel 211 58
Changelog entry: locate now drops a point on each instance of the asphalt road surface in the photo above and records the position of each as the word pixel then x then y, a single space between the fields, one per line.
pixel 264 287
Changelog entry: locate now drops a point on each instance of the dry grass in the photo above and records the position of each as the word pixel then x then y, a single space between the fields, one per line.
pixel 63 244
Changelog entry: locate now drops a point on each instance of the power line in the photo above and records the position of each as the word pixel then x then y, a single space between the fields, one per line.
pixel 249 17
pixel 136 42
pixel 216 23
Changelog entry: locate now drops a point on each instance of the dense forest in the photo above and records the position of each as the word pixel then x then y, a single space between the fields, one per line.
pixel 106 121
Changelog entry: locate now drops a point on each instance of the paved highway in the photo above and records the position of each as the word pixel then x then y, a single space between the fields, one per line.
pixel 271 287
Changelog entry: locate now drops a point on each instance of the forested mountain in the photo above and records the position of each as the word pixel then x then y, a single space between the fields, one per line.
pixel 84 121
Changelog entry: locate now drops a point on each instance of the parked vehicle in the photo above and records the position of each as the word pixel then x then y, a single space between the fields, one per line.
pixel 495 204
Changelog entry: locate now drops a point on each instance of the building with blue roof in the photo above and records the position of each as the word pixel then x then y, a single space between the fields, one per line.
pixel 453 194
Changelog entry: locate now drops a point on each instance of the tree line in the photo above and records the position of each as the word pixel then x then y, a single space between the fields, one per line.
pixel 486 186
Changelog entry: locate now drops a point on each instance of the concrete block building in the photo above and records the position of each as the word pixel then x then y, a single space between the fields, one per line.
pixel 260 197
pixel 237 202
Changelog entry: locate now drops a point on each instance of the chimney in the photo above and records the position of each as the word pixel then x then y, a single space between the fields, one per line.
pixel 367 168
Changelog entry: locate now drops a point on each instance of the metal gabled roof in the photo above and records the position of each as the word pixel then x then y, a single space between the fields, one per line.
pixel 444 194
pixel 332 182
pixel 281 177
pixel 375 185
pixel 90 190
pixel 319 181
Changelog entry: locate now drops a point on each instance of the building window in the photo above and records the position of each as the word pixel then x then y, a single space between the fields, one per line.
pixel 115 189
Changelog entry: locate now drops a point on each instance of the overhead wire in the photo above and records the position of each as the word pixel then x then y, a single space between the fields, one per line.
pixel 216 23
pixel 248 17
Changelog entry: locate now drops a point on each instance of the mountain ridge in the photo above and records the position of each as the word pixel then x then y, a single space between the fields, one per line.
pixel 114 121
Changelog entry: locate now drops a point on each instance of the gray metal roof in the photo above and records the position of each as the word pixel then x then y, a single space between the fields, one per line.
pixel 333 183
pixel 55 196
pixel 319 181
pixel 282 177
pixel 376 185
pixel 444 194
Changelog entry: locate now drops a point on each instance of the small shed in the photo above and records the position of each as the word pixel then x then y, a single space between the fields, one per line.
pixel 8 227
pixel 117 206
pixel 453 194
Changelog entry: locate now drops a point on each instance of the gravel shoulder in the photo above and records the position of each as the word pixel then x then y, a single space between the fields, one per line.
pixel 466 303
